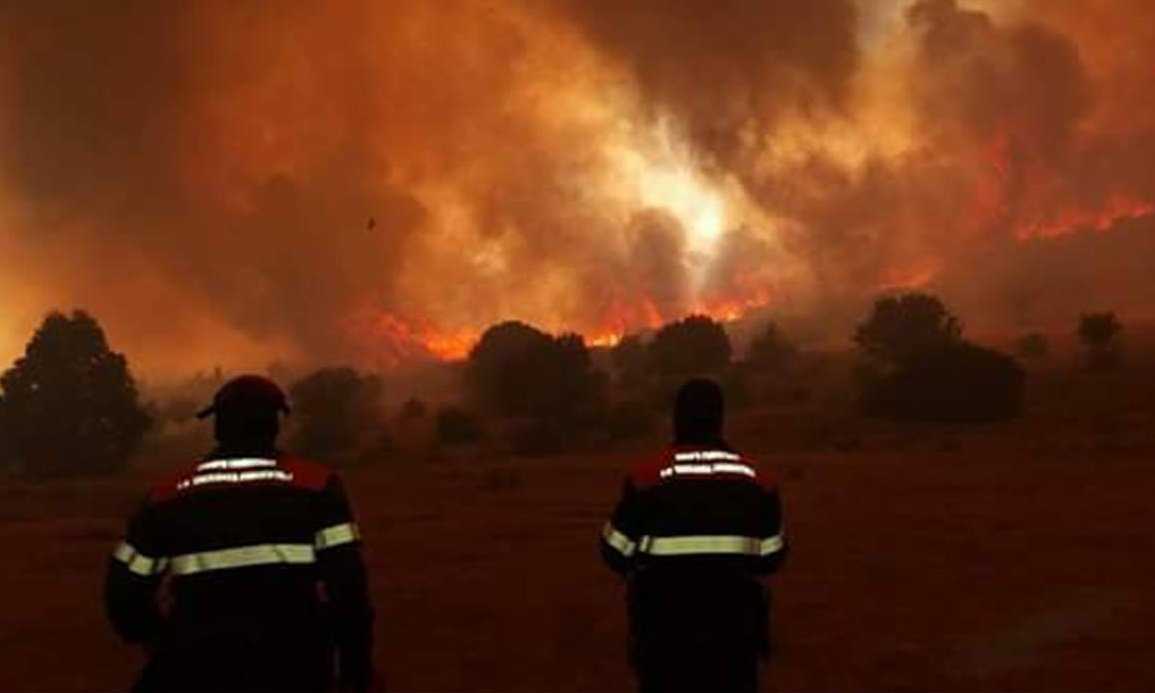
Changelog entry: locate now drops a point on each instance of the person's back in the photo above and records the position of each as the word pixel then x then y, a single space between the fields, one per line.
pixel 695 528
pixel 265 573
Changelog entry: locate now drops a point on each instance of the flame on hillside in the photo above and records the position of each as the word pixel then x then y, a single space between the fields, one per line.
pixel 324 183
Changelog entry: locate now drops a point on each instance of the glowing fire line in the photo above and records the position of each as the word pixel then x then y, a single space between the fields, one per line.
pixel 398 341
pixel 1118 208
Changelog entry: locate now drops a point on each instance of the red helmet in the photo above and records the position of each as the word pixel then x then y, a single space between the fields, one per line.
pixel 247 393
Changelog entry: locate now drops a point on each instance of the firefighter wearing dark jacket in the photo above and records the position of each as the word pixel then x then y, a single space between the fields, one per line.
pixel 695 529
pixel 264 581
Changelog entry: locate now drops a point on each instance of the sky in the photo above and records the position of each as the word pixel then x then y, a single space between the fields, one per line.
pixel 237 183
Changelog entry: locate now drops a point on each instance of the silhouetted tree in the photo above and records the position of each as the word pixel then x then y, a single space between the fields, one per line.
pixel 919 367
pixel 960 382
pixel 6 460
pixel 456 426
pixel 768 373
pixel 697 344
pixel 901 327
pixel 336 411
pixel 1099 330
pixel 517 370
pixel 1100 333
pixel 630 362
pixel 771 350
pixel 70 404
pixel 1033 345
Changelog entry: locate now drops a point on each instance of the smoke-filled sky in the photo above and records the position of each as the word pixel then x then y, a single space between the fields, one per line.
pixel 237 182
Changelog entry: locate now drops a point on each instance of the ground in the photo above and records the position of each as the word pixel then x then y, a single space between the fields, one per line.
pixel 1009 557
pixel 956 568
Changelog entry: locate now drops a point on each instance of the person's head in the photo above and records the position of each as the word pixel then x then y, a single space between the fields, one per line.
pixel 247 412
pixel 699 411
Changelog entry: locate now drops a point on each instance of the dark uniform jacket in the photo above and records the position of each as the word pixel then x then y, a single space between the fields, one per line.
pixel 265 582
pixel 693 531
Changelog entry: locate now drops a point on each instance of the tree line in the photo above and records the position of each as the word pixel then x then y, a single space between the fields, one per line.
pixel 70 404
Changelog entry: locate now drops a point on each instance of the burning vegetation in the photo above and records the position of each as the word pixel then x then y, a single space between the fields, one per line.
pixel 201 176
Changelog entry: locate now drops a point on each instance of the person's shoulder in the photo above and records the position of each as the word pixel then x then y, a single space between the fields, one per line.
pixel 647 472
pixel 173 484
pixel 705 463
pixel 299 472
pixel 760 473
pixel 305 472
pixel 167 487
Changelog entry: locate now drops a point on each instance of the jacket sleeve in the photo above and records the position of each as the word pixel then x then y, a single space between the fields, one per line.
pixel 342 571
pixel 774 547
pixel 623 532
pixel 134 575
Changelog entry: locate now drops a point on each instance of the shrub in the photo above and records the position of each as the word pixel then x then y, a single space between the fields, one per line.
pixel 70 404
pixel 907 326
pixel 1099 330
pixel 6 459
pixel 919 367
pixel 1032 346
pixel 693 346
pixel 769 373
pixel 958 382
pixel 335 412
pixel 771 351
pixel 1100 333
pixel 455 426
pixel 630 363
pixel 516 370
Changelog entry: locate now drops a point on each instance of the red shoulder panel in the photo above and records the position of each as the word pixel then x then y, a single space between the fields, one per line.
pixel 306 473
pixel 169 486
pixel 763 476
pixel 648 472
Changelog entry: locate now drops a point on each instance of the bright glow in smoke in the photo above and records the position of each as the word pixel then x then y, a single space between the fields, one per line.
pixel 680 191
pixel 672 182
pixel 664 175
pixel 583 165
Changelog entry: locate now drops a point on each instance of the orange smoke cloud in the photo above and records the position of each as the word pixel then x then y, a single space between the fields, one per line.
pixel 378 182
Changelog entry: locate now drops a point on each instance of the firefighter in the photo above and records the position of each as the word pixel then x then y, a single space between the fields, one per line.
pixel 694 531
pixel 264 584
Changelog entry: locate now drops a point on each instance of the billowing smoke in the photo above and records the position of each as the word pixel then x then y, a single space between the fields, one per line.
pixel 727 71
pixel 233 182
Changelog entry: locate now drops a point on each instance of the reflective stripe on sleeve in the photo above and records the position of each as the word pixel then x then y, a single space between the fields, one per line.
pixel 243 557
pixel 682 546
pixel 619 541
pixel 137 562
pixel 336 535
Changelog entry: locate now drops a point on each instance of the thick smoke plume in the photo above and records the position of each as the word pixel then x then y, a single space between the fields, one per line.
pixel 235 182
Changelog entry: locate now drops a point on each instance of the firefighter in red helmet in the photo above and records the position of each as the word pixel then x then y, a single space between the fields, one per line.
pixel 266 582
pixel 695 529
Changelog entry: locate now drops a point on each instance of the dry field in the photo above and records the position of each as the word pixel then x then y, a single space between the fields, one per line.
pixel 1010 558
